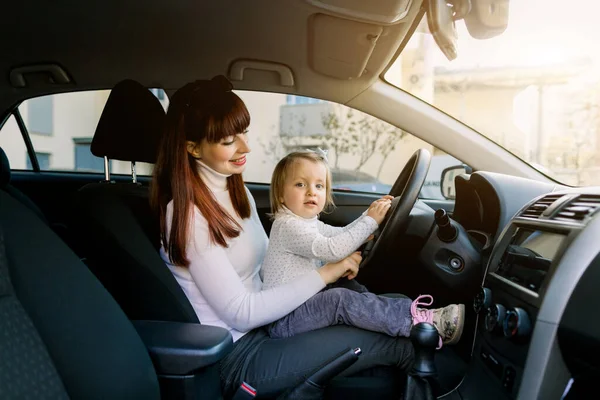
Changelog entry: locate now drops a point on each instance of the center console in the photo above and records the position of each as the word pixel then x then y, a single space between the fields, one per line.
pixel 518 274
pixel 518 278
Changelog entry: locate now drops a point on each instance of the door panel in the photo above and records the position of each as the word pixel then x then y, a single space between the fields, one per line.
pixel 54 192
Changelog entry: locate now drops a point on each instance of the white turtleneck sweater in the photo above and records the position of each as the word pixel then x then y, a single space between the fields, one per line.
pixel 223 283
pixel 299 245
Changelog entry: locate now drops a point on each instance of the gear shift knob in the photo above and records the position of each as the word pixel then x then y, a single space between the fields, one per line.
pixel 425 339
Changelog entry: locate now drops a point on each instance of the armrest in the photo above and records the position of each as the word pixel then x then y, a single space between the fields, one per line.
pixel 179 348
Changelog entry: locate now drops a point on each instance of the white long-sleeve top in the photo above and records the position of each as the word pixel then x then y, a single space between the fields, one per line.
pixel 298 245
pixel 223 284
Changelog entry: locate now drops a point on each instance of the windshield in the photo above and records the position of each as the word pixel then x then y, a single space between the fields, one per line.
pixel 533 90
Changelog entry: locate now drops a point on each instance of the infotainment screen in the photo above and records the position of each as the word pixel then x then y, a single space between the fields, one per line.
pixel 528 257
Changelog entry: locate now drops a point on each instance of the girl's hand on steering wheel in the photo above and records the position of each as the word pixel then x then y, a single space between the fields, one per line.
pixel 379 208
pixel 348 267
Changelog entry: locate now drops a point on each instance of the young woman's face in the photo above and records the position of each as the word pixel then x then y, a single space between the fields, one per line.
pixel 228 156
pixel 305 190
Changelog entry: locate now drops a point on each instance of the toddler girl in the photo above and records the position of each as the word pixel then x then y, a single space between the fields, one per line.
pixel 299 242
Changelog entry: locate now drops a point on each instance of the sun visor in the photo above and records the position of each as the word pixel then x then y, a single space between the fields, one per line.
pixel 341 48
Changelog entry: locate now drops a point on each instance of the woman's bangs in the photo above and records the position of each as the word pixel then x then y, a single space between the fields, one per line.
pixel 233 118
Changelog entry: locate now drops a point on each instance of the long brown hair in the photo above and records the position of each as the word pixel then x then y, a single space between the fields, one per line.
pixel 205 109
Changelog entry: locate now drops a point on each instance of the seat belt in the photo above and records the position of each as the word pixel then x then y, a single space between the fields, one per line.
pixel 244 392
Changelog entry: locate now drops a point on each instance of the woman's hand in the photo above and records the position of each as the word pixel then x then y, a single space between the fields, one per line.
pixel 379 208
pixel 348 267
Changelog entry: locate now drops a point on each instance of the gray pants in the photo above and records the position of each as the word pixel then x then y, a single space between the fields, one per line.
pixel 349 303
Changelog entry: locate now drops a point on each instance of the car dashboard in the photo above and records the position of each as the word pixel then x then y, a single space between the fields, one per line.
pixel 535 330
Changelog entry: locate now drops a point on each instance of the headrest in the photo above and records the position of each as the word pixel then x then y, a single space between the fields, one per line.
pixel 130 125
pixel 4 169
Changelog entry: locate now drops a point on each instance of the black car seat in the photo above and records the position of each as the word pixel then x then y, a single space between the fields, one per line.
pixel 61 333
pixel 121 232
pixel 13 191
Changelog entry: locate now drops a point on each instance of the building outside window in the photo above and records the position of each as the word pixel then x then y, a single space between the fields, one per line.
pixel 292 99
pixel 43 161
pixel 40 116
pixel 84 159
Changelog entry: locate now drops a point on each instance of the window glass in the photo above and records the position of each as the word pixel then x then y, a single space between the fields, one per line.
pixel 13 145
pixel 365 154
pixel 84 159
pixel 534 89
pixel 43 161
pixel 61 128
pixel 40 115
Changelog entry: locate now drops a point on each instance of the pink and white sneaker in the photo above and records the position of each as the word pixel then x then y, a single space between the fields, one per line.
pixel 449 320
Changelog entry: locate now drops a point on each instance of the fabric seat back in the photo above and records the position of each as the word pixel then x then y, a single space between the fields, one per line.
pixel 63 334
pixel 121 230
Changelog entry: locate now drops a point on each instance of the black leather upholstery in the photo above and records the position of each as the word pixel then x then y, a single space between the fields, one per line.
pixel 62 333
pixel 121 230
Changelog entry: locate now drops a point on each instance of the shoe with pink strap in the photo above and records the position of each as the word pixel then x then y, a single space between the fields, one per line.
pixel 448 321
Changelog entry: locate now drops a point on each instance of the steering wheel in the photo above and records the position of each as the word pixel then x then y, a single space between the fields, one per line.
pixel 406 190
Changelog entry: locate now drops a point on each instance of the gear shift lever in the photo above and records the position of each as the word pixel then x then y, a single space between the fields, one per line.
pixel 421 378
pixel 425 339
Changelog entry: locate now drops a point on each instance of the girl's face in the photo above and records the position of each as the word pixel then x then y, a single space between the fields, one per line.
pixel 305 190
pixel 228 156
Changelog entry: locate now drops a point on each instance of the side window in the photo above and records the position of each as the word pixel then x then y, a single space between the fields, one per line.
pixel 43 161
pixel 365 153
pixel 61 128
pixel 40 113
pixel 84 159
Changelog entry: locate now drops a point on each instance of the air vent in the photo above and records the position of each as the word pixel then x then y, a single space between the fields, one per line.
pixel 579 209
pixel 537 208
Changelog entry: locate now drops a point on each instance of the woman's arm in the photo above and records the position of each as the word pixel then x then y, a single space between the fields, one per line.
pixel 224 291
pixel 306 240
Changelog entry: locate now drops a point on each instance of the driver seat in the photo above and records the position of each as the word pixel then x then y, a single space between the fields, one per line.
pixel 121 232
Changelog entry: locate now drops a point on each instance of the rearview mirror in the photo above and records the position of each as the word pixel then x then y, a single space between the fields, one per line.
pixel 448 187
pixel 487 18
pixel 442 27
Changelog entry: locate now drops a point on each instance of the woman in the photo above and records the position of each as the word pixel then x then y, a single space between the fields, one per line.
pixel 214 244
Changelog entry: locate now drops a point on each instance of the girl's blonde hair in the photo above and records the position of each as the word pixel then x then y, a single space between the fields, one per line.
pixel 282 171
